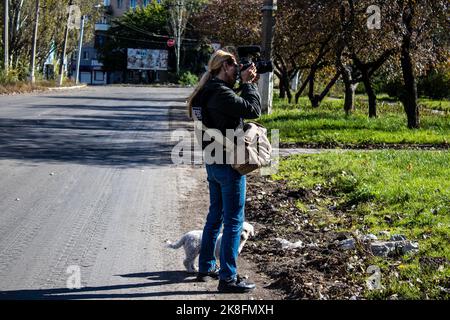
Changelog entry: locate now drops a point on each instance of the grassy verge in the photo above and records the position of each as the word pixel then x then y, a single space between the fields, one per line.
pixel 442 105
pixel 328 125
pixel 401 192
pixel 24 87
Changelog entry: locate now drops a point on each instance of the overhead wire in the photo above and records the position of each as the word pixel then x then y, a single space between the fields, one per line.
pixel 140 40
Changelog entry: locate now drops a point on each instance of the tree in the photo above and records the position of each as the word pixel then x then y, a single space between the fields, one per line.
pixel 180 11
pixel 238 23
pixel 230 22
pixel 289 46
pixel 422 29
pixel 314 26
pixel 332 39
pixel 362 50
pixel 50 32
pixel 143 27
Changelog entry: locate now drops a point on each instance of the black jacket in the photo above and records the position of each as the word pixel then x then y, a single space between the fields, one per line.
pixel 222 108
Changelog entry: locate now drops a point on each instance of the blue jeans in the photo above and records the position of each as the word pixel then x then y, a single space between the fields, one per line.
pixel 227 201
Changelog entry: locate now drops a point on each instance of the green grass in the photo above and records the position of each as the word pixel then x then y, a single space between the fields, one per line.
pixel 329 124
pixel 403 192
pixel 441 105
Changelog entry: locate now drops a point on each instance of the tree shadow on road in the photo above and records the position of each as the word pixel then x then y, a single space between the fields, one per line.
pixel 127 137
pixel 160 278
pixel 167 277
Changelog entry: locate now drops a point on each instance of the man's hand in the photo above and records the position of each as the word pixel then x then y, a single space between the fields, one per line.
pixel 249 74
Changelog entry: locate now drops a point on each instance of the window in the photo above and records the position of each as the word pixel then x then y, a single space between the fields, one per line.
pixel 99 40
pixel 106 2
pixel 119 4
pixel 85 55
pixel 99 76
pixel 132 4
pixel 145 3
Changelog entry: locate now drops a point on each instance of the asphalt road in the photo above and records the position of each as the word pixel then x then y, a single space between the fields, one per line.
pixel 89 194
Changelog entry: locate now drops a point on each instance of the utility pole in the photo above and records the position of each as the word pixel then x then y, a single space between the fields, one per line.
pixel 266 80
pixel 63 54
pixel 6 36
pixel 33 49
pixel 80 45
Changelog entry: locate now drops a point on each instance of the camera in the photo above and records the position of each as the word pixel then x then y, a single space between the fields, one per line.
pixel 252 54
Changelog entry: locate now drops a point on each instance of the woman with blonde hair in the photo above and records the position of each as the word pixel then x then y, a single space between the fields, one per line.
pixel 218 107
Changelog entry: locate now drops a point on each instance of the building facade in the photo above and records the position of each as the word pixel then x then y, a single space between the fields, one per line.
pixel 91 70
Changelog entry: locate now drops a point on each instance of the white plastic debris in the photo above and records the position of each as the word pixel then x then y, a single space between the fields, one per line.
pixel 369 237
pixel 285 244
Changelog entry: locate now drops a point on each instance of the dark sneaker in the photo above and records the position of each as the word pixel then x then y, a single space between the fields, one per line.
pixel 239 285
pixel 211 275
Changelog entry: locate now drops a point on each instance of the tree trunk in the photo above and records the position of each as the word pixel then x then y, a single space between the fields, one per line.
pixel 283 74
pixel 302 88
pixel 294 80
pixel 329 86
pixel 314 98
pixel 289 95
pixel 409 96
pixel 371 95
pixel 286 85
pixel 350 88
pixel 282 89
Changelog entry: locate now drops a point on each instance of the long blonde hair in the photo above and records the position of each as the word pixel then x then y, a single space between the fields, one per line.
pixel 214 66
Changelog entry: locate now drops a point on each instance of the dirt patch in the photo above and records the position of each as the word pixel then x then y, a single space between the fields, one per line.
pixel 317 268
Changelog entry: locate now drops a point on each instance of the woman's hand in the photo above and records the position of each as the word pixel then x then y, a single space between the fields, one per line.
pixel 249 74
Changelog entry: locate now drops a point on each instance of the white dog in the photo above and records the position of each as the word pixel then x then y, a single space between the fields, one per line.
pixel 192 240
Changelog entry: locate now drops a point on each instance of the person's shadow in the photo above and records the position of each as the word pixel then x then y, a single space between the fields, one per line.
pixel 155 279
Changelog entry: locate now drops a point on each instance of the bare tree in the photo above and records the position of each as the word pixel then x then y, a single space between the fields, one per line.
pixel 180 11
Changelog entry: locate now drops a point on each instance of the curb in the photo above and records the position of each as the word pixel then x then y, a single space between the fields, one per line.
pixel 67 88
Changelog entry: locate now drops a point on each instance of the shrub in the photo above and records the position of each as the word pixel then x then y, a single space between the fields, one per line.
pixel 436 85
pixel 10 77
pixel 394 88
pixel 188 79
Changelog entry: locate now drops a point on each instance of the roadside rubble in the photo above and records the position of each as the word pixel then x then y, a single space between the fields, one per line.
pixel 300 257
pixel 397 245
pixel 311 260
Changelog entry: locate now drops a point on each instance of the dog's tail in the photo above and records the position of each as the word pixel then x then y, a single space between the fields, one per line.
pixel 175 245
